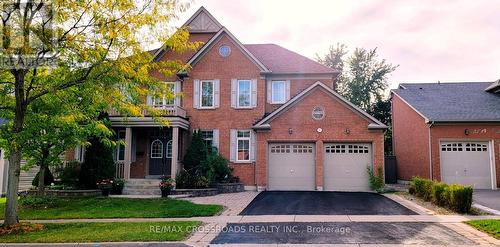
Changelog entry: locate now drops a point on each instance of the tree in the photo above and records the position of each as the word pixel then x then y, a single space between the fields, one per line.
pixel 55 124
pixel 363 77
pixel 363 81
pixel 98 164
pixel 196 154
pixel 49 47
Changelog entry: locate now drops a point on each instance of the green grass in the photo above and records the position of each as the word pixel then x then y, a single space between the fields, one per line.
pixel 105 232
pixel 105 207
pixel 491 227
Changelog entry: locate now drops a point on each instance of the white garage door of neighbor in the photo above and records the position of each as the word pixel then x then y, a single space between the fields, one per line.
pixel 346 165
pixel 291 166
pixel 466 163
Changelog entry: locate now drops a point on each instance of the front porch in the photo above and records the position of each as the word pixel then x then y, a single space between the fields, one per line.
pixel 150 151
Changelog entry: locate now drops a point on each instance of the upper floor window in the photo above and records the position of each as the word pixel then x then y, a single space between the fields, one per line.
pixel 278 92
pixel 243 145
pixel 244 93
pixel 207 94
pixel 163 100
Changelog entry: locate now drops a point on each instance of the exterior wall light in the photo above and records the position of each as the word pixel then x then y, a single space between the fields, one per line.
pixel 347 131
pixel 290 131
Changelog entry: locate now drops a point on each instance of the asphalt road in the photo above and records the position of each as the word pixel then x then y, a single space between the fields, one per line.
pixel 408 233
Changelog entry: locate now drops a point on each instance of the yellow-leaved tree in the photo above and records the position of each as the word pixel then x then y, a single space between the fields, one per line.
pixel 49 46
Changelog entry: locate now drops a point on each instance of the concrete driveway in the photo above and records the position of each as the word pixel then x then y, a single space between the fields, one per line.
pixel 488 198
pixel 407 233
pixel 323 203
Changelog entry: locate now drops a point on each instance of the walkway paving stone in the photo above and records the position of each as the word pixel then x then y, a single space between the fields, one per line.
pixel 233 203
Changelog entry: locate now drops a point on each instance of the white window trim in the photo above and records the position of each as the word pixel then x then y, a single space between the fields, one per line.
pixel 169 149
pixel 238 94
pixel 272 92
pixel 201 94
pixel 120 146
pixel 151 151
pixel 164 104
pixel 249 138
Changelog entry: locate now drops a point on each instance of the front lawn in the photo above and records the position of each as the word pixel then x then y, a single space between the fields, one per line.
pixel 491 227
pixel 105 207
pixel 105 232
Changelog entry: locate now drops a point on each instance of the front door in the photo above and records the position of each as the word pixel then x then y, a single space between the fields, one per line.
pixel 160 153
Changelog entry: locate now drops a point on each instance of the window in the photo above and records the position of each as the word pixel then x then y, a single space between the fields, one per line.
pixel 163 101
pixel 278 89
pixel 318 113
pixel 120 151
pixel 80 153
pixel 157 149
pixel 208 138
pixel 207 94
pixel 243 142
pixel 169 149
pixel 244 93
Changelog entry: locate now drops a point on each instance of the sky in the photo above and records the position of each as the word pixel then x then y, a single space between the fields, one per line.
pixel 430 40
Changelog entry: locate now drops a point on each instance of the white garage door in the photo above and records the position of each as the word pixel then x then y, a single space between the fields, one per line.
pixel 345 166
pixel 291 166
pixel 466 163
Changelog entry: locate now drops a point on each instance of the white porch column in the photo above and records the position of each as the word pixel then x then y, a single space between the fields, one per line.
pixel 128 152
pixel 175 151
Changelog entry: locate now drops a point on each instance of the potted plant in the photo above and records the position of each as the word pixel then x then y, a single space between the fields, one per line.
pixel 118 185
pixel 166 186
pixel 105 185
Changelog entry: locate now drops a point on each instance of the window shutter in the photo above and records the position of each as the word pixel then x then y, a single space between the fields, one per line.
pixel 269 92
pixel 177 90
pixel 253 146
pixel 234 96
pixel 196 94
pixel 232 148
pixel 149 100
pixel 215 141
pixel 216 93
pixel 254 93
pixel 287 85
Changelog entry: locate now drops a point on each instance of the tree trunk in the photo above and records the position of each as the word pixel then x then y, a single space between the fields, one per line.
pixel 41 179
pixel 11 217
pixel 15 150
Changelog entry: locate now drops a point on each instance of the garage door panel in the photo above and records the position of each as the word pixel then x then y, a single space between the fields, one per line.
pixel 291 166
pixel 345 166
pixel 466 163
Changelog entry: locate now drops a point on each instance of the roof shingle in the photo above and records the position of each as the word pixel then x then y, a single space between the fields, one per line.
pixel 281 60
pixel 452 102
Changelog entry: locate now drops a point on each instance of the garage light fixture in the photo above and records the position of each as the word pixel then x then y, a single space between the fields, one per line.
pixel 290 131
pixel 347 131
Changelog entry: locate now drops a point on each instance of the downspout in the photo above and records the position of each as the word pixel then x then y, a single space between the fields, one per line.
pixel 430 151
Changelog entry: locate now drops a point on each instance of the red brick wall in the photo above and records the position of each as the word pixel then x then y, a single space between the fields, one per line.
pixel 477 132
pixel 224 118
pixel 411 142
pixel 337 119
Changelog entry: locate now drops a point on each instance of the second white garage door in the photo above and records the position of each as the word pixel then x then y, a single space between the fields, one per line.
pixel 291 166
pixel 345 166
pixel 466 163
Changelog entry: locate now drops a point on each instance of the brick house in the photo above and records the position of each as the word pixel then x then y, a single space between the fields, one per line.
pixel 270 111
pixel 448 132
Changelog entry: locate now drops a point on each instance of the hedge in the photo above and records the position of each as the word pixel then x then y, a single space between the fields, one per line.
pixel 454 196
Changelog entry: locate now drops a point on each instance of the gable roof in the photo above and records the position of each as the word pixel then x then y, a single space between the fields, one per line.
pixel 202 22
pixel 198 55
pixel 451 102
pixel 264 123
pixel 283 61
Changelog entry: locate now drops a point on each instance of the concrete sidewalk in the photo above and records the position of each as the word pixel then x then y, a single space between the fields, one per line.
pixel 292 218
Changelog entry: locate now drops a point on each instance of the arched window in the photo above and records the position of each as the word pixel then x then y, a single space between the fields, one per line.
pixel 169 149
pixel 156 149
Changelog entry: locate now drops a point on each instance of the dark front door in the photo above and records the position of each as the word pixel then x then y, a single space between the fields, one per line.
pixel 160 153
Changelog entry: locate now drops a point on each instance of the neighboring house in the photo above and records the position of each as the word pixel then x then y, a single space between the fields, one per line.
pixel 270 111
pixel 448 132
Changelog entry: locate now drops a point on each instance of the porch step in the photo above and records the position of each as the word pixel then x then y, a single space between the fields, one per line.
pixel 142 187
pixel 26 178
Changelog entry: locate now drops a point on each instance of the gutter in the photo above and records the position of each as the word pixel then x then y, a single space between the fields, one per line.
pixel 430 150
